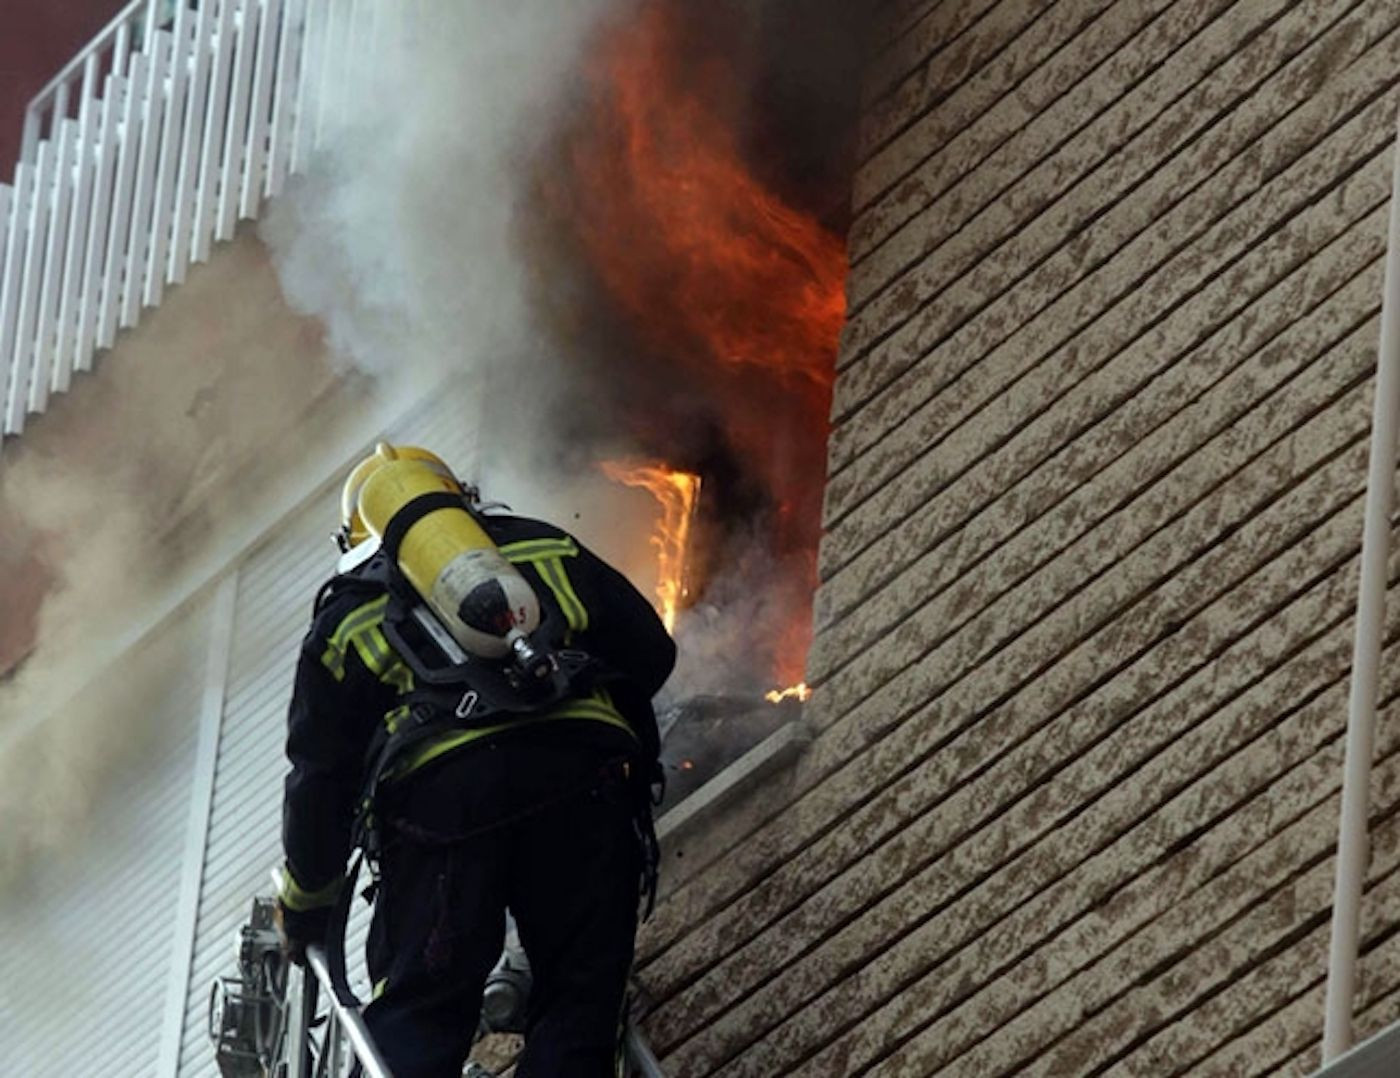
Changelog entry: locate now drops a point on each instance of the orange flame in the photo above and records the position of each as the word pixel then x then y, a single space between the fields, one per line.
pixel 684 235
pixel 792 692
pixel 678 493
pixel 712 269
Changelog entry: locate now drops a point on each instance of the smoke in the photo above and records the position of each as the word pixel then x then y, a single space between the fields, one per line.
pixel 733 637
pixel 404 236
pixel 421 244
pixel 706 291
pixel 146 477
pixel 57 777
pixel 421 240
pixel 134 486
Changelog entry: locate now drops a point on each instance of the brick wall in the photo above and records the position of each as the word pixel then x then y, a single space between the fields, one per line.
pixel 1089 568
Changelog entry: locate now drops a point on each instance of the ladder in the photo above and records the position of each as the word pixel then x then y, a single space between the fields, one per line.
pixel 269 1021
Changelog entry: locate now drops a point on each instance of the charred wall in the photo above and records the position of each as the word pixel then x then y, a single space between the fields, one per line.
pixel 1088 569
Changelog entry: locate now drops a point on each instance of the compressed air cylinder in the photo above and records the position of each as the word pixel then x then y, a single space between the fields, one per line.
pixel 480 598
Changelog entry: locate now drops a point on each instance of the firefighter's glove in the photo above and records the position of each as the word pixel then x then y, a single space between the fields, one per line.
pixel 298 929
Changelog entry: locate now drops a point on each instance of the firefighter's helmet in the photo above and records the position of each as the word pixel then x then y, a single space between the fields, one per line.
pixel 353 530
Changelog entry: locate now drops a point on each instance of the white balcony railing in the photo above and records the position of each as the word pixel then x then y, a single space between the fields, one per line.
pixel 175 122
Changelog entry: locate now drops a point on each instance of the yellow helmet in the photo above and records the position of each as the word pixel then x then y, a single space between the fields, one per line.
pixel 353 531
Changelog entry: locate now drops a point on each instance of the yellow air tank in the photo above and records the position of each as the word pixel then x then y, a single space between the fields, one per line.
pixel 480 598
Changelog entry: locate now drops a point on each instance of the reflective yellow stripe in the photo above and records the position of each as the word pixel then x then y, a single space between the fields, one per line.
pixel 394 716
pixel 360 629
pixel 547 556
pixel 371 613
pixel 297 898
pixel 552 572
pixel 534 549
pixel 398 677
pixel 334 661
pixel 598 707
pixel 373 648
pixel 380 659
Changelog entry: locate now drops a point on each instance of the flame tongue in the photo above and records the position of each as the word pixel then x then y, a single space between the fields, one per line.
pixel 684 235
pixel 792 692
pixel 678 494
pixel 715 275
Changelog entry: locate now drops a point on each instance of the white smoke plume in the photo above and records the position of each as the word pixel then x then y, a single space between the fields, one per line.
pixel 128 493
pixel 404 236
pixel 401 242
pixel 411 238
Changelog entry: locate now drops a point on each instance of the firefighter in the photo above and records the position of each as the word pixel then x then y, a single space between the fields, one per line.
pixel 475 794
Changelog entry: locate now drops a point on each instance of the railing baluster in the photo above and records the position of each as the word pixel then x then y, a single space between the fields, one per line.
pixel 46 333
pixel 152 24
pixel 6 195
pixel 215 125
pixel 313 54
pixel 60 109
pixel 260 122
pixel 11 202
pixel 113 94
pixel 332 47
pixel 117 252
pixel 152 114
pixel 195 120
pixel 349 61
pixel 121 52
pixel 283 104
pixel 79 224
pixel 29 140
pixel 236 139
pixel 168 171
pixel 31 281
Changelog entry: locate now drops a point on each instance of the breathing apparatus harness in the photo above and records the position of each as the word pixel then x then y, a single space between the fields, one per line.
pixel 478 641
pixel 481 645
pixel 452 688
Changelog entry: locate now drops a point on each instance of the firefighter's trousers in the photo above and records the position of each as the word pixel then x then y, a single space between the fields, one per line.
pixel 548 837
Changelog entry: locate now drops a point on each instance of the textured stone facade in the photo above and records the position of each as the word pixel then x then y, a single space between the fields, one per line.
pixel 1089 567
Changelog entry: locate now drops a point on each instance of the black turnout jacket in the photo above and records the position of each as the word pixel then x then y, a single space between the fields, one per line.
pixel 349 681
